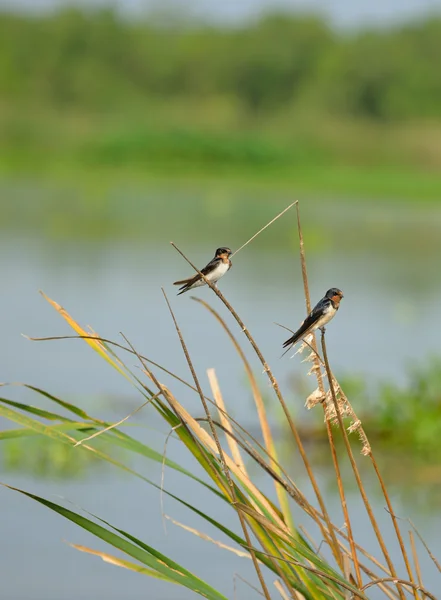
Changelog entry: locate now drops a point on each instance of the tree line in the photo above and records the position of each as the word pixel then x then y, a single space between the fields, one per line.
pixel 97 61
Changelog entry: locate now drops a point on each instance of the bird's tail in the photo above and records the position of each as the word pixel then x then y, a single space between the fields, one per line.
pixel 182 281
pixel 292 340
pixel 304 329
pixel 183 289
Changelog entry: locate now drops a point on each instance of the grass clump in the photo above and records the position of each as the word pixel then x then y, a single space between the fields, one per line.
pixel 287 562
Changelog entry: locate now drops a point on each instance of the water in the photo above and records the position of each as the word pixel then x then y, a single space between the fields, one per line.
pixel 388 268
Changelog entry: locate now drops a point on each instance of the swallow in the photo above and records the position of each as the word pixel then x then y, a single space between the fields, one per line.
pixel 319 316
pixel 216 268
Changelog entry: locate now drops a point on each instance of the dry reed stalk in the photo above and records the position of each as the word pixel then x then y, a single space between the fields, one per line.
pixel 203 436
pixel 404 582
pixel 429 552
pixel 415 558
pixel 355 468
pixel 394 521
pixel 208 442
pixel 218 399
pixel 345 407
pixel 118 423
pixel 289 485
pixel 221 453
pixel 275 386
pixel 261 412
pixel 263 228
pixel 322 395
pixel 323 575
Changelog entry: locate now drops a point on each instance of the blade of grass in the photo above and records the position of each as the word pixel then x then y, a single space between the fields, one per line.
pixel 119 562
pixel 70 441
pixel 147 556
pixel 94 343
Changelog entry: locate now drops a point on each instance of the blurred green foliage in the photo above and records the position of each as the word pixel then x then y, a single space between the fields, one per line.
pixel 43 457
pixel 408 415
pixel 285 96
pixel 95 61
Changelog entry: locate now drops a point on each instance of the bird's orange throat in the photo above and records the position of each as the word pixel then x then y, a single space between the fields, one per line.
pixel 336 300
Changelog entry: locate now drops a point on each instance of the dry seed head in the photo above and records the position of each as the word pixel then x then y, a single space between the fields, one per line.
pixel 354 426
pixel 304 345
pixel 315 398
pixel 309 358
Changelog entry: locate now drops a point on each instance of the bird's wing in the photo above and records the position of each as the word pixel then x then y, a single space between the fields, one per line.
pixel 195 278
pixel 309 322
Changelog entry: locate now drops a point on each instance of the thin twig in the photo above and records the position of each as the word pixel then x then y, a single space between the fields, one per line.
pixel 263 228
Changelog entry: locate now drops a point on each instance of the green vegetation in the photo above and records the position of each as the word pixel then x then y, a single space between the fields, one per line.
pixel 286 101
pixel 407 416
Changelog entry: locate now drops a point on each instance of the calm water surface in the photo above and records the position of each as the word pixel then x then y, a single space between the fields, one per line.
pixel 388 268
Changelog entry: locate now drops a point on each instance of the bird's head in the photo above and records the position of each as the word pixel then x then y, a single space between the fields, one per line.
pixel 223 252
pixel 335 295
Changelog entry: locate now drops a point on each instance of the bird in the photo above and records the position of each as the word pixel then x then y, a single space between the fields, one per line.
pixel 319 316
pixel 216 268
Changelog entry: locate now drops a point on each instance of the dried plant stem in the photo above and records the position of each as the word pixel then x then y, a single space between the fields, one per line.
pixel 367 451
pixel 101 431
pixel 429 552
pixel 183 423
pixel 395 522
pixel 261 412
pixel 355 468
pixel 323 575
pixel 143 360
pixel 263 228
pixel 318 373
pixel 415 558
pixel 220 404
pixel 413 586
pixel 275 386
pixel 343 502
pixel 221 453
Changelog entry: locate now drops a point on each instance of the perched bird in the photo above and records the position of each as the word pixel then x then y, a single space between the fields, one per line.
pixel 321 314
pixel 216 268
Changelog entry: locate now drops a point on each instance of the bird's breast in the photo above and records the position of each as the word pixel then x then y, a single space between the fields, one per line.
pixel 327 315
pixel 218 271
